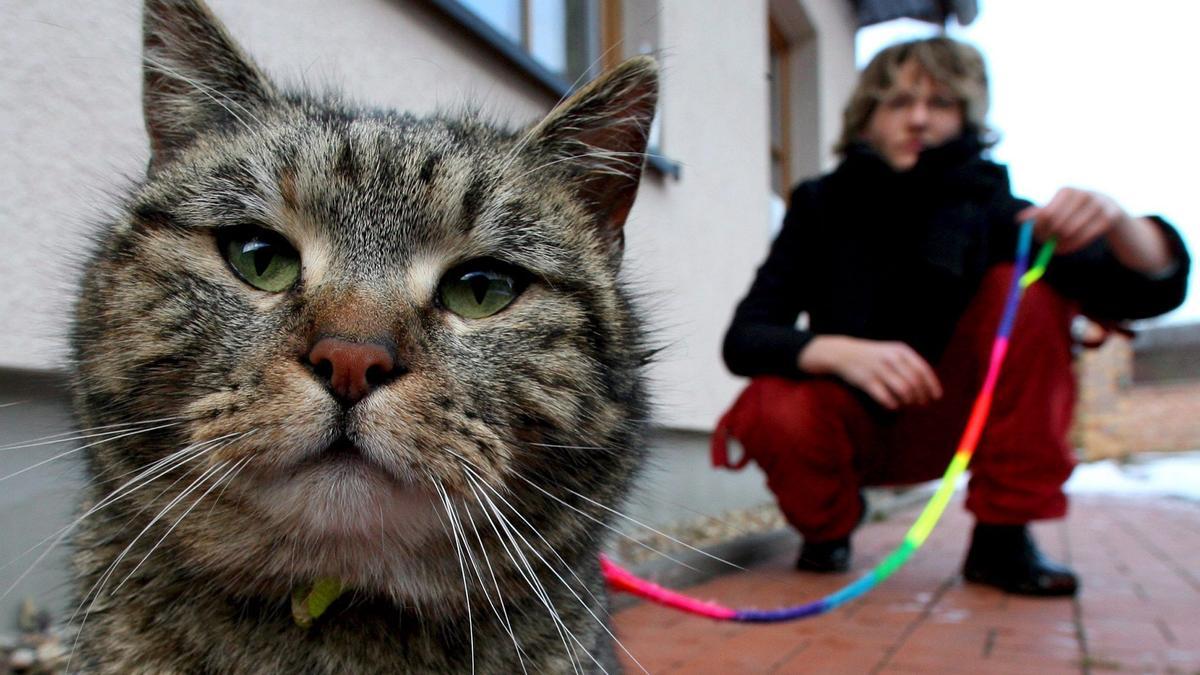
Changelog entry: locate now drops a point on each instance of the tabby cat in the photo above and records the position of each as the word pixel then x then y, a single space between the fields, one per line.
pixel 357 357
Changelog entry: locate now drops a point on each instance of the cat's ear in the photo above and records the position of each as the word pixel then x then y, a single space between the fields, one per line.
pixel 601 132
pixel 194 76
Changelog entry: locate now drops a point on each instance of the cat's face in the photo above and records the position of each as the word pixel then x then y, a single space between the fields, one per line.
pixel 347 318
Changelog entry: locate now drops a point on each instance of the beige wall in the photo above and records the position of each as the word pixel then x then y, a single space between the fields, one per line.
pixel 69 106
pixel 694 243
pixel 1117 417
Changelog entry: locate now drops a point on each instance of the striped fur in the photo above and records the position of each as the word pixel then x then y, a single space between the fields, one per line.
pixel 537 410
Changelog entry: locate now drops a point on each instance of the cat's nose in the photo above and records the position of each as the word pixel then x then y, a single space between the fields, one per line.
pixel 352 370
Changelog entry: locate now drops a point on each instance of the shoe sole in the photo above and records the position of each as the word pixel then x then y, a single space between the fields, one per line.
pixel 986 580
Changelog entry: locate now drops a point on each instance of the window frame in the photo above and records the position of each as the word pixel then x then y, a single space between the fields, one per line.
pixel 779 52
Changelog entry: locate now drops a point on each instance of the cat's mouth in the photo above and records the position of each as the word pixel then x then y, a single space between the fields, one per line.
pixel 343 452
pixel 342 449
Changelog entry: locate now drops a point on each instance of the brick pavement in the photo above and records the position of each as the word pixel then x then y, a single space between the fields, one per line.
pixel 1139 609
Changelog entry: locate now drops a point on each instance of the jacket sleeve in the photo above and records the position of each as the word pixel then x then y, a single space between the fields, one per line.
pixel 1105 288
pixel 763 338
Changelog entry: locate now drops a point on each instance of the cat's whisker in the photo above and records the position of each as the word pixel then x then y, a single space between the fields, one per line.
pixel 458 548
pixel 97 589
pixel 513 535
pixel 536 584
pixel 596 520
pixel 55 439
pixel 150 473
pixel 210 447
pixel 501 611
pixel 153 521
pixel 465 555
pixel 524 570
pixel 631 520
pixel 574 447
pixel 566 584
pixel 229 482
pixel 156 470
pixel 89 430
pixel 83 447
pixel 476 480
pixel 12 403
pixel 529 576
pixel 199 445
pixel 727 524
pixel 171 529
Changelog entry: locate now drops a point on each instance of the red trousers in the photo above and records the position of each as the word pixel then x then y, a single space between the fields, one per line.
pixel 819 440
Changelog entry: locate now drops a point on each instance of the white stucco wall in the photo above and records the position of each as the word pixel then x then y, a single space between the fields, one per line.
pixel 694 244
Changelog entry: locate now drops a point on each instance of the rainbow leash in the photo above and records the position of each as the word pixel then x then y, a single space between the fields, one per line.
pixel 1023 277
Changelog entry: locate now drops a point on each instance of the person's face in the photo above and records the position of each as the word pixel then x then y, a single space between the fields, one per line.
pixel 918 112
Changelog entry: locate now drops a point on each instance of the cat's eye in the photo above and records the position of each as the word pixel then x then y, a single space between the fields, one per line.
pixel 260 257
pixel 481 288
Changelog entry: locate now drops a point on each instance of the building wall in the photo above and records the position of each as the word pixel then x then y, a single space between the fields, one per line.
pixel 35 505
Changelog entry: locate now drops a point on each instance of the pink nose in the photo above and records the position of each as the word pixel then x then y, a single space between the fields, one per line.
pixel 352 370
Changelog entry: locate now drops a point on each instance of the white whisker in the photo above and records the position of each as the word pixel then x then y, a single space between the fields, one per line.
pixel 526 572
pixel 601 622
pixel 454 529
pixel 177 521
pixel 62 436
pixel 148 474
pixel 83 447
pixel 630 519
pixel 501 612
pixel 538 587
pixel 166 509
pixel 97 588
pixel 600 522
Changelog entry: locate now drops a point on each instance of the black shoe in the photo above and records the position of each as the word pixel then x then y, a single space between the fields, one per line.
pixel 832 555
pixel 825 556
pixel 1006 557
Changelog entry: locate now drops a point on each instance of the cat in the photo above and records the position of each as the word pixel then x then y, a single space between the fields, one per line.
pixel 361 359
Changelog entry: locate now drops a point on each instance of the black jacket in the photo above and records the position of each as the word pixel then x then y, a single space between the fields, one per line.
pixel 873 253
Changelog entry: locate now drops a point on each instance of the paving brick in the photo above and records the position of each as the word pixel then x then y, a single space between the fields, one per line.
pixel 1138 610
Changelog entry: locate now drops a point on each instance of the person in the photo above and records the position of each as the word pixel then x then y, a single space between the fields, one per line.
pixel 867 330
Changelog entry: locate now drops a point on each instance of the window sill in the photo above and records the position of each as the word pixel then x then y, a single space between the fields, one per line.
pixel 547 79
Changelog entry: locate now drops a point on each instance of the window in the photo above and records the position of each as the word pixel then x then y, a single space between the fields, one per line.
pixel 564 43
pixel 562 36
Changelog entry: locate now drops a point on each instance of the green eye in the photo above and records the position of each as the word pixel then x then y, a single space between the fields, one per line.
pixel 481 288
pixel 260 257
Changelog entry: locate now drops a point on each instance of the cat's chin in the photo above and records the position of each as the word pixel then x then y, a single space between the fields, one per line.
pixel 343 497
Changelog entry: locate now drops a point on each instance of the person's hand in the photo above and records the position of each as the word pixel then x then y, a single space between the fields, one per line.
pixel 1076 218
pixel 892 373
